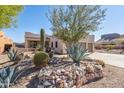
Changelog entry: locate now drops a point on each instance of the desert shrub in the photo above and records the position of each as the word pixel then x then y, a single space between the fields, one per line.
pixel 109 47
pixel 40 59
pixel 51 54
pixel 50 51
pixel 100 62
pixel 76 52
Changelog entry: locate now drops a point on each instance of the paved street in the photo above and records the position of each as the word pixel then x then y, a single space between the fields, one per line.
pixel 111 59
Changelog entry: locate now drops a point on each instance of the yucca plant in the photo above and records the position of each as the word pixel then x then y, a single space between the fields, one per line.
pixel 8 76
pixel 12 54
pixel 76 52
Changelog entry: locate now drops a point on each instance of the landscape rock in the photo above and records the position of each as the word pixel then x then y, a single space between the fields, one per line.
pixel 69 76
pixel 46 84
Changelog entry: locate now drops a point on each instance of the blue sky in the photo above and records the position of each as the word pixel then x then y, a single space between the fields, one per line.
pixel 33 18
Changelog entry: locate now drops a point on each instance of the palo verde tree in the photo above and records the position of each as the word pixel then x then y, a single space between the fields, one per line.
pixel 72 23
pixel 8 15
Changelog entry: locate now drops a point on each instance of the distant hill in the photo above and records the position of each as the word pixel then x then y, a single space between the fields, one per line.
pixel 110 36
pixel 19 45
pixel 107 38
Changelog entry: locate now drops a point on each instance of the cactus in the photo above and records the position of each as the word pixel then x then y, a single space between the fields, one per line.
pixel 42 39
pixel 40 59
pixel 76 52
pixel 8 76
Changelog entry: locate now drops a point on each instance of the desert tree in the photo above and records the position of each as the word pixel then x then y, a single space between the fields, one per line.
pixel 72 23
pixel 8 15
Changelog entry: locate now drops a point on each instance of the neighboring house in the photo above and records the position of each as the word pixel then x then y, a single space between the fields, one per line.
pixel 33 40
pixel 5 42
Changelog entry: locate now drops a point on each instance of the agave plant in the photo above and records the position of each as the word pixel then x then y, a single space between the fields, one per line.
pixel 8 76
pixel 12 54
pixel 76 52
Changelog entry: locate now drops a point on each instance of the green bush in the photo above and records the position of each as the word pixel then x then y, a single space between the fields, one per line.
pixel 40 59
pixel 110 47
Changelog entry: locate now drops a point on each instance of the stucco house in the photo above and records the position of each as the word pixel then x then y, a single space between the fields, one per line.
pixel 5 42
pixel 33 40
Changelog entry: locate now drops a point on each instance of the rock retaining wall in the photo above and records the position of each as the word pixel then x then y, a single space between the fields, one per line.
pixel 69 76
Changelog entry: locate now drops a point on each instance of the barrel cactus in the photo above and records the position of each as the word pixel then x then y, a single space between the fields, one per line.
pixel 40 59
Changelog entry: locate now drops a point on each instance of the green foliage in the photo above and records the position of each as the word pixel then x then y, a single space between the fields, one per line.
pixel 8 15
pixel 12 55
pixel 40 59
pixel 8 76
pixel 42 39
pixel 76 52
pixel 72 23
pixel 110 47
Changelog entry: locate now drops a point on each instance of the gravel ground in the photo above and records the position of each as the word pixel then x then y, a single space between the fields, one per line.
pixel 3 58
pixel 113 79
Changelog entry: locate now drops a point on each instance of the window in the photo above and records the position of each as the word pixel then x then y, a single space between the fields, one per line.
pixel 56 44
pixel 51 44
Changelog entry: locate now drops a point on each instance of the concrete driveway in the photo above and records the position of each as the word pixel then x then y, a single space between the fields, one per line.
pixel 111 59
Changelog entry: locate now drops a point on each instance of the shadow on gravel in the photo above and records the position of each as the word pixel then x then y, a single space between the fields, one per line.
pixel 33 83
pixel 29 71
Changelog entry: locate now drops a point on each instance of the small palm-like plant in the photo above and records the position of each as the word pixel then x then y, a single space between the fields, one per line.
pixel 76 52
pixel 8 76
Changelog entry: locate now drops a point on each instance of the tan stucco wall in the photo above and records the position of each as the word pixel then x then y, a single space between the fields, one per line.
pixel 62 48
pixel 4 40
